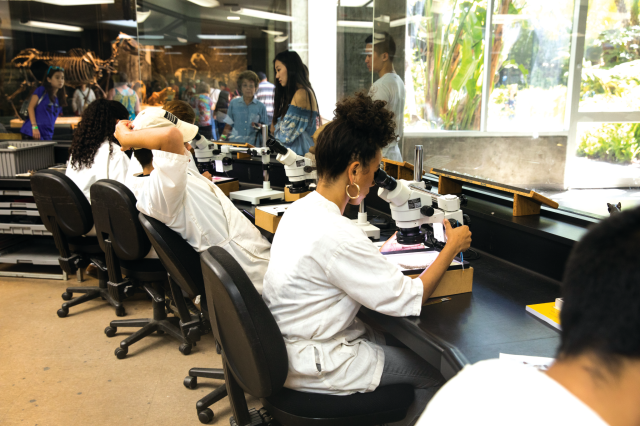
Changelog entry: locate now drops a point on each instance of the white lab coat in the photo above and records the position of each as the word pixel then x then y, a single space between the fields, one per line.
pixel 198 210
pixel 135 168
pixel 104 167
pixel 323 269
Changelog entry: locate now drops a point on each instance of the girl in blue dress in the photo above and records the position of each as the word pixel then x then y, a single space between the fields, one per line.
pixel 45 106
pixel 295 106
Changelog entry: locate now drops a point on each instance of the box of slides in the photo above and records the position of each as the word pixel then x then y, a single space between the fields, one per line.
pixel 458 278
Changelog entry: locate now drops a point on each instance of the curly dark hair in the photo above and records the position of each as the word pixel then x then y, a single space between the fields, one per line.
pixel 97 124
pixel 360 128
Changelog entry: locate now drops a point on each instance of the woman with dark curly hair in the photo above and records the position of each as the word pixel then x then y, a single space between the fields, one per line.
pixel 92 155
pixel 319 276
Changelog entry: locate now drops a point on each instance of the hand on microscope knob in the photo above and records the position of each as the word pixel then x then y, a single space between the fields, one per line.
pixel 459 238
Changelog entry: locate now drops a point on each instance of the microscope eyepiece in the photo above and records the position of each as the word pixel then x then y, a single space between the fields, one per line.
pixel 385 181
pixel 276 146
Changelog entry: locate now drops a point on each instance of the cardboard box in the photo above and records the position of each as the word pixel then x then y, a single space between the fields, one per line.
pixel 290 198
pixel 456 281
pixel 268 217
pixel 227 185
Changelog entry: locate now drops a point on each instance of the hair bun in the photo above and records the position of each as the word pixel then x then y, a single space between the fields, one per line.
pixel 367 116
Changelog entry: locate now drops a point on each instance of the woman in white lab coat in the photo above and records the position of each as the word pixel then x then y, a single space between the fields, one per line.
pixel 323 268
pixel 95 153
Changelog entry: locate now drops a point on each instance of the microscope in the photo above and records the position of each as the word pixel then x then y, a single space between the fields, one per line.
pixel 299 170
pixel 418 212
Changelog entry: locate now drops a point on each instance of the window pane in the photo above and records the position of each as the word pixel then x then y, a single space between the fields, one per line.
pixel 81 39
pixel 445 56
pixel 530 62
pixel 612 48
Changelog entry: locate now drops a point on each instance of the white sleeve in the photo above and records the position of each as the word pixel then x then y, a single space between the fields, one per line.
pixel 119 165
pixel 362 272
pixel 166 188
pixel 91 97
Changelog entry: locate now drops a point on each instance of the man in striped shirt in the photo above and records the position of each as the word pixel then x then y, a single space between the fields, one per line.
pixel 265 94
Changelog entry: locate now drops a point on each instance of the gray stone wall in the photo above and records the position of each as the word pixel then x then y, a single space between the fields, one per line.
pixel 532 163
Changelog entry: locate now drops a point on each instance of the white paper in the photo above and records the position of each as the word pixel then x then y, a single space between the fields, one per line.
pixel 539 362
pixel 416 260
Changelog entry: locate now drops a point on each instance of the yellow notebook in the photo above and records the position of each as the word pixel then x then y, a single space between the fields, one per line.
pixel 547 312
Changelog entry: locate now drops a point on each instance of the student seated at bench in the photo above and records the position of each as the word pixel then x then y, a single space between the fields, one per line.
pixel 595 380
pixel 324 268
pixel 170 191
pixel 95 153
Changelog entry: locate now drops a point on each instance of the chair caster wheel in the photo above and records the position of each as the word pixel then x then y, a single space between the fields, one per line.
pixel 121 353
pixel 67 295
pixel 110 331
pixel 62 312
pixel 161 332
pixel 120 311
pixel 185 348
pixel 205 416
pixel 190 382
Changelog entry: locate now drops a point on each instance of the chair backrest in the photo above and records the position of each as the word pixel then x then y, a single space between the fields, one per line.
pixel 116 219
pixel 59 197
pixel 245 328
pixel 180 260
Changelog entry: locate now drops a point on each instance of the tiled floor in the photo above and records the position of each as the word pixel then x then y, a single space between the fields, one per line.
pixel 62 371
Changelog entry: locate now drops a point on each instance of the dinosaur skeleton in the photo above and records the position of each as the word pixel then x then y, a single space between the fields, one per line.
pixel 80 66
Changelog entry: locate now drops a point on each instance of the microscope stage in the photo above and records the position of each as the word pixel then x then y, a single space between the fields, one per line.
pixel 254 196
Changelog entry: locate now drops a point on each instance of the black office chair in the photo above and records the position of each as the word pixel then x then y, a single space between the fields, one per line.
pixel 66 213
pixel 182 263
pixel 125 245
pixel 255 359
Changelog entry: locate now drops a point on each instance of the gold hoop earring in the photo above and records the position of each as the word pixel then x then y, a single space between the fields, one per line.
pixel 349 195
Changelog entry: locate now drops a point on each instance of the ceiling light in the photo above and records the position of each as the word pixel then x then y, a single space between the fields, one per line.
pixel 142 16
pixel 123 35
pixel 206 3
pixel 76 2
pixel 52 26
pixel 356 24
pixel 280 39
pixel 151 37
pixel 227 47
pixel 221 37
pixel 182 40
pixel 232 54
pixel 233 18
pixel 168 47
pixel 264 15
pixel 274 33
pixel 122 23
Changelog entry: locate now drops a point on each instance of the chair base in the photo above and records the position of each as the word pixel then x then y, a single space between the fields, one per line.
pixel 90 293
pixel 159 323
pixel 205 414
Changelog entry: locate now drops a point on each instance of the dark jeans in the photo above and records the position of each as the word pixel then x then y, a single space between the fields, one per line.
pixel 403 366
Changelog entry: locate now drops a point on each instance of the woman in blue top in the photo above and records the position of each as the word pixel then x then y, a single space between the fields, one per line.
pixel 295 106
pixel 45 106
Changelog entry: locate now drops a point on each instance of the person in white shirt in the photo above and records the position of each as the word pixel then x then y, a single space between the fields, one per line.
pixel 380 50
pixel 94 153
pixel 324 268
pixel 595 380
pixel 82 97
pixel 188 203
pixel 214 92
